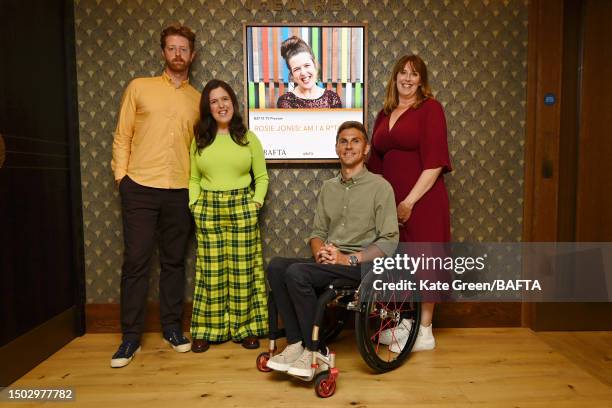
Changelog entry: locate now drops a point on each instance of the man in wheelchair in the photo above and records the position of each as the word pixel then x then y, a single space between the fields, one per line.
pixel 355 221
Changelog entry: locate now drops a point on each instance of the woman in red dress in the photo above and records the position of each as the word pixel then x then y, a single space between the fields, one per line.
pixel 410 150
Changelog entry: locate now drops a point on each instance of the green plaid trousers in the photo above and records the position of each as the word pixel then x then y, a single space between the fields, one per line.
pixel 230 298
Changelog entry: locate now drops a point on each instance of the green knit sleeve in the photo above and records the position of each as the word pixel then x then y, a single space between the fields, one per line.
pixel 195 175
pixel 258 165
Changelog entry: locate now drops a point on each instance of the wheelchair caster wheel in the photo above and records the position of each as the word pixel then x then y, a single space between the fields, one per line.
pixel 262 362
pixel 325 384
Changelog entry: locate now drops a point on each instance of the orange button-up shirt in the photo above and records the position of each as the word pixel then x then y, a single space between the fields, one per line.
pixel 154 132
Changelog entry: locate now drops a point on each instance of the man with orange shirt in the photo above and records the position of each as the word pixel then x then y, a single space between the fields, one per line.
pixel 151 168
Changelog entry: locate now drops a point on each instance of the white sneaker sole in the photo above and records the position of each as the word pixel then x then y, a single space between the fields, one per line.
pixel 300 372
pixel 122 362
pixel 183 348
pixel 278 366
pixel 424 345
pixel 305 373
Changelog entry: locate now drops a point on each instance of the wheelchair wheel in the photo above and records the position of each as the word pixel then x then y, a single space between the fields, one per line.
pixel 325 384
pixel 380 311
pixel 262 362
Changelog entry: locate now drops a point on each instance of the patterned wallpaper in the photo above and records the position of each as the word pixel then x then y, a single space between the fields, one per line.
pixel 476 53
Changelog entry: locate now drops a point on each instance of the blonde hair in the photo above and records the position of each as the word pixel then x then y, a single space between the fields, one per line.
pixel 423 91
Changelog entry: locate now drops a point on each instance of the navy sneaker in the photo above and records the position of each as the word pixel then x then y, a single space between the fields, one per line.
pixel 177 340
pixel 125 353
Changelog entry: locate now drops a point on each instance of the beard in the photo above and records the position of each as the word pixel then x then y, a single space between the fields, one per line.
pixel 178 65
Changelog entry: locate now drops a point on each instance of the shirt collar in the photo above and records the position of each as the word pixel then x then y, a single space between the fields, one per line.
pixel 168 80
pixel 355 179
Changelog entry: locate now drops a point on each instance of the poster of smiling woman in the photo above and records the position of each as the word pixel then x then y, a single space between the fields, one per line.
pixel 301 83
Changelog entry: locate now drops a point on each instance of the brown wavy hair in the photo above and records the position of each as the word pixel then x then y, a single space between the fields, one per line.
pixel 423 92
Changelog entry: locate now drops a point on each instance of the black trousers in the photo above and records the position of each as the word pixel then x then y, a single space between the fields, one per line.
pixel 294 282
pixel 145 212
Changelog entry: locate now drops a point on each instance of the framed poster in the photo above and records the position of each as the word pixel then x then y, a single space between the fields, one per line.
pixel 301 83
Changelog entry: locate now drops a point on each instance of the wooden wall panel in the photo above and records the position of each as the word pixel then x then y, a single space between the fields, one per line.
pixel 545 56
pixel 594 205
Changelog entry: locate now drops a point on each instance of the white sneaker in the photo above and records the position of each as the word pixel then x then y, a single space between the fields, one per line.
pixel 425 341
pixel 302 367
pixel 283 360
pixel 388 336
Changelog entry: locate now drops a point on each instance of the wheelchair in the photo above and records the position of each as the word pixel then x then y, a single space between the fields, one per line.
pixel 374 313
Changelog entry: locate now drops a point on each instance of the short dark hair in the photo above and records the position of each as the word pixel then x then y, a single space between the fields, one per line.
pixel 353 124
pixel 177 29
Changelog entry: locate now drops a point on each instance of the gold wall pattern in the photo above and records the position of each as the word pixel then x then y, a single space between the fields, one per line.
pixel 476 52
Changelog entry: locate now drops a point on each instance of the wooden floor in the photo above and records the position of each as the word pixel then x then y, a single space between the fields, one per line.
pixel 471 367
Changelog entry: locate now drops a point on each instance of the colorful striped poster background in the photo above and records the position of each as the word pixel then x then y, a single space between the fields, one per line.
pixel 339 52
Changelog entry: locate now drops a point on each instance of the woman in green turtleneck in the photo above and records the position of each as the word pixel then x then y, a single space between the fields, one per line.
pixel 230 293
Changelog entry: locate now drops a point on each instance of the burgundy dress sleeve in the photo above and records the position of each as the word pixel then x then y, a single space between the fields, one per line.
pixel 433 148
pixel 374 163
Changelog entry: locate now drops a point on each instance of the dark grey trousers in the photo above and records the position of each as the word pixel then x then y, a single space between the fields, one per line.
pixel 294 282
